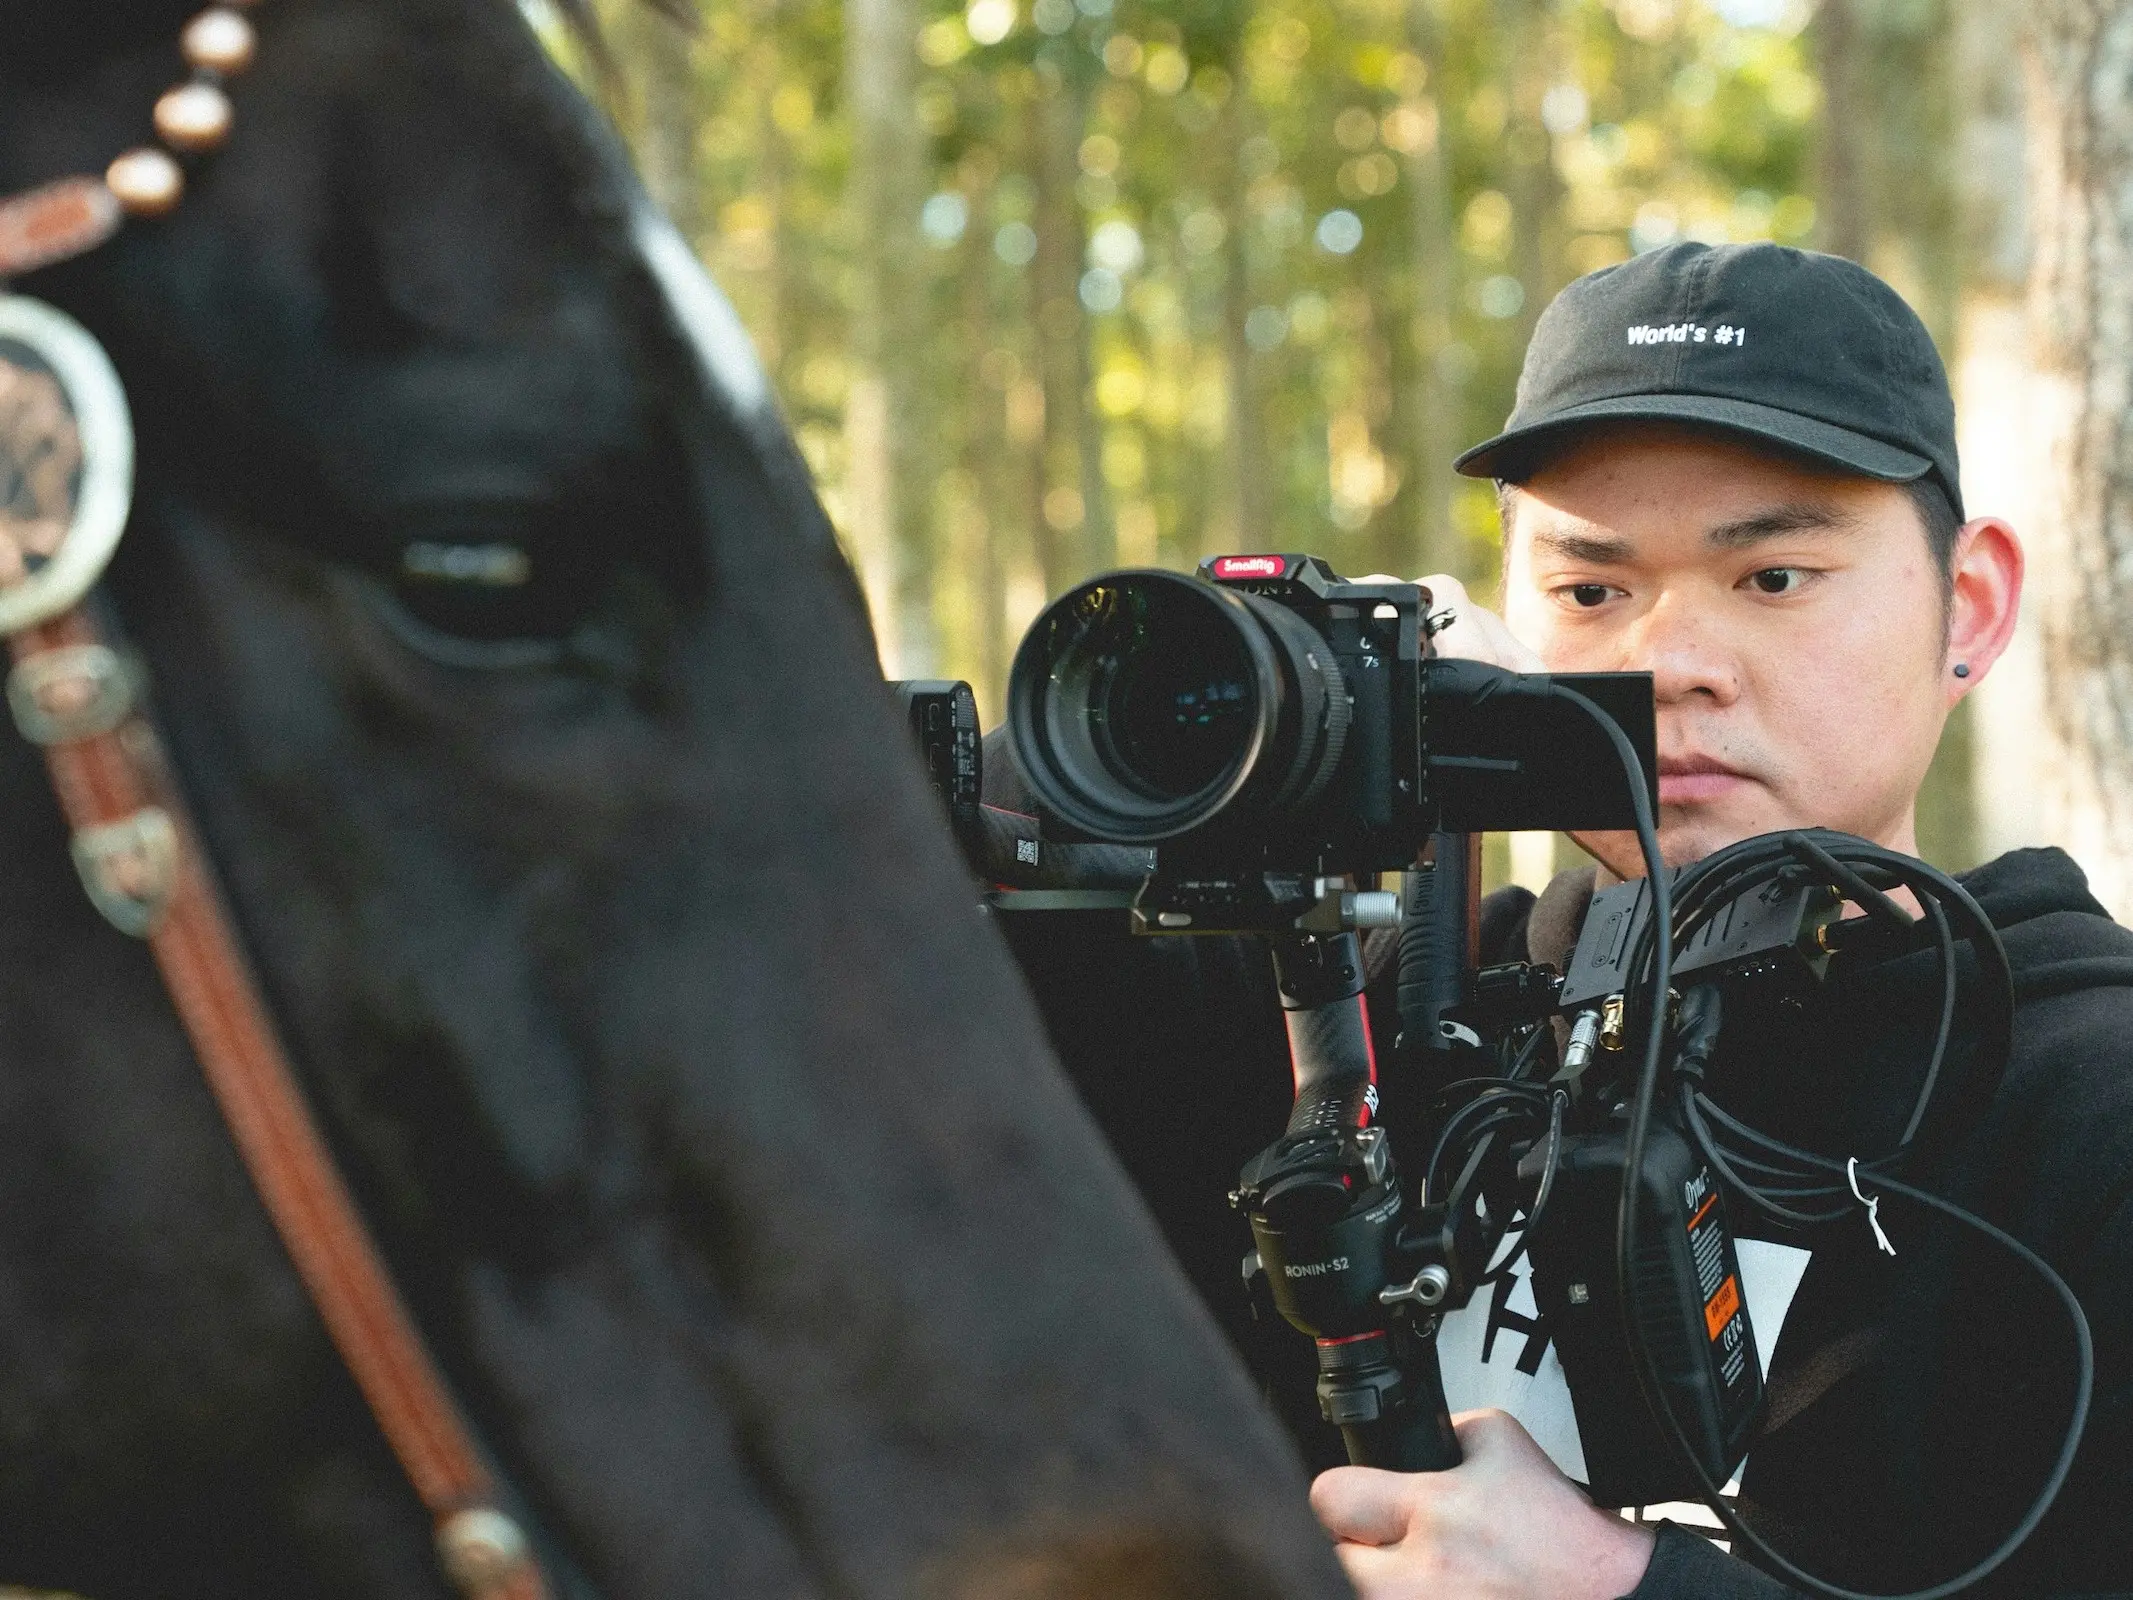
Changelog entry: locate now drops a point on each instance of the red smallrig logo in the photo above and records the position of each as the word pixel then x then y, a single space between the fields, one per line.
pixel 1250 567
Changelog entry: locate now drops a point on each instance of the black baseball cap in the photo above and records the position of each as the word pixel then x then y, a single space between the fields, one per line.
pixel 1810 353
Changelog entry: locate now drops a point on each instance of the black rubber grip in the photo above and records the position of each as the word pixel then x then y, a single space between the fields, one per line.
pixel 1433 956
pixel 1418 1435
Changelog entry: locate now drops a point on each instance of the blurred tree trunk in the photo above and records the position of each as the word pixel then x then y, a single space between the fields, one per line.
pixel 1437 391
pixel 1536 191
pixel 884 422
pixel 774 179
pixel 2079 83
pixel 989 465
pixel 1885 185
pixel 1073 500
pixel 657 46
pixel 1246 520
pixel 1991 384
pixel 1842 199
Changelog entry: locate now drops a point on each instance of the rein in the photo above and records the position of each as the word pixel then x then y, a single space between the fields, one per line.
pixel 65 437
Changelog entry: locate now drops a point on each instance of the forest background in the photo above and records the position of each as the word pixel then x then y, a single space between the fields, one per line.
pixel 1047 286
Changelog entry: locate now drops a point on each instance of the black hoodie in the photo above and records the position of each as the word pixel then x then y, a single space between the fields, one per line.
pixel 1919 1399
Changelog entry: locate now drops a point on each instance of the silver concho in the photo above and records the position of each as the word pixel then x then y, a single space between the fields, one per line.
pixel 66 462
pixel 130 868
pixel 74 692
pixel 481 1550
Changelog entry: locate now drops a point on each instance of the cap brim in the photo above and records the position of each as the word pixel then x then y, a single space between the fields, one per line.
pixel 1516 452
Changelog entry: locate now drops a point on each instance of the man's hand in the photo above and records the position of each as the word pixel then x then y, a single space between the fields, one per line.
pixel 1475 633
pixel 1503 1525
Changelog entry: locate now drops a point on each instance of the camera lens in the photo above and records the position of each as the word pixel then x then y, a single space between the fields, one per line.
pixel 1145 704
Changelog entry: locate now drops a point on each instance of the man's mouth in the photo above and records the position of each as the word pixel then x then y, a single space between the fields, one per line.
pixel 1690 779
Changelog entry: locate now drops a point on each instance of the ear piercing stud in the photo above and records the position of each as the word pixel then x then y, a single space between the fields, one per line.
pixel 1962 669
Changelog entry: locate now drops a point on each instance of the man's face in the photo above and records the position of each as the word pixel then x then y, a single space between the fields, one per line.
pixel 1794 623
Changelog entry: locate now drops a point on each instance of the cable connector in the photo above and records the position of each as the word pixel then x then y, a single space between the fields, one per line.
pixel 1584 1040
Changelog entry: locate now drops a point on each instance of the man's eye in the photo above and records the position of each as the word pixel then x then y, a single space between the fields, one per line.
pixel 1779 580
pixel 1588 595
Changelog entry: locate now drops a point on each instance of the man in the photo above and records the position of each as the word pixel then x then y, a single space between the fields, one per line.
pixel 1735 469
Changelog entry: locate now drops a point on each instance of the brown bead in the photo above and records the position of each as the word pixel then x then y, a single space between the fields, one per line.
pixel 194 117
pixel 147 182
pixel 218 40
pixel 56 222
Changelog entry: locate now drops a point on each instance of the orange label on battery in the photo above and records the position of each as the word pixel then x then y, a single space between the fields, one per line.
pixel 1722 1307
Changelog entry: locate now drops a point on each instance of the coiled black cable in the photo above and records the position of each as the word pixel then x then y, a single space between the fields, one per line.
pixel 1779 1178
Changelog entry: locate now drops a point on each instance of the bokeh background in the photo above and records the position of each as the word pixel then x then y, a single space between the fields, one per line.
pixel 1052 285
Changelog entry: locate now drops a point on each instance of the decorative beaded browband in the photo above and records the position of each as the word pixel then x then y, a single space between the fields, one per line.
pixel 73 215
pixel 66 484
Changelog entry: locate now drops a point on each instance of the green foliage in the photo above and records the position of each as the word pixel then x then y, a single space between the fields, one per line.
pixel 1199 274
pixel 1239 168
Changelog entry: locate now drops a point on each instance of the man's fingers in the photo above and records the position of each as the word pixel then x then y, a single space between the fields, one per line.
pixel 1474 632
pixel 1446 593
pixel 1444 589
pixel 1362 1504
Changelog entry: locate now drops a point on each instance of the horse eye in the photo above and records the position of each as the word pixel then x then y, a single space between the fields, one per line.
pixel 495 566
pixel 488 591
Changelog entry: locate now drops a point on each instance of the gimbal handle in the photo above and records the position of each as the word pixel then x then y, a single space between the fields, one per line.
pixel 1325 1203
pixel 1413 1433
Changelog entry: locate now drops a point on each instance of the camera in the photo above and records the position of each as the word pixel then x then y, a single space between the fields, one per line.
pixel 1272 728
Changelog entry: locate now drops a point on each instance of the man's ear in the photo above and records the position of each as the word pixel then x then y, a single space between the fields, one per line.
pixel 1985 595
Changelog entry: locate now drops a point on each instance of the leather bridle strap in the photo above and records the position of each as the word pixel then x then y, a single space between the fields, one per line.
pixel 142 864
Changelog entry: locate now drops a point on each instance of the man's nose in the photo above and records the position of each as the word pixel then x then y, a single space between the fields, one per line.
pixel 1686 657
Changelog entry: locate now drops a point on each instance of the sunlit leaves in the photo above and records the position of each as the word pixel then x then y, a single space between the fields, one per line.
pixel 1242 210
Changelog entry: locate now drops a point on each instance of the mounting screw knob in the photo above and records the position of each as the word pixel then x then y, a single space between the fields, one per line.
pixel 1429 1288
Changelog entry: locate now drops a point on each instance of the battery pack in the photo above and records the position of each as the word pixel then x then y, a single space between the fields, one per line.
pixel 1689 1306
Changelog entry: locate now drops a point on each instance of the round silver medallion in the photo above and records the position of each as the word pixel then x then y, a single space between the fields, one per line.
pixel 66 462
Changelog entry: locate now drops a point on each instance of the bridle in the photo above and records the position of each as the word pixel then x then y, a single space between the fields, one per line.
pixel 75 694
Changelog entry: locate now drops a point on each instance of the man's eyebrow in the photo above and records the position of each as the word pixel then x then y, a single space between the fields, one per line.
pixel 1800 516
pixel 1590 544
pixel 1583 542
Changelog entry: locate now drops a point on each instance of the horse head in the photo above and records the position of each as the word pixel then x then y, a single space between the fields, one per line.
pixel 531 718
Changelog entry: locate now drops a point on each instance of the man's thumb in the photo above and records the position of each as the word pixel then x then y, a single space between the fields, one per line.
pixel 1361 1504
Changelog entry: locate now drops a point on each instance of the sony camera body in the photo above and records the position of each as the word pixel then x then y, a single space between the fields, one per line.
pixel 1364 802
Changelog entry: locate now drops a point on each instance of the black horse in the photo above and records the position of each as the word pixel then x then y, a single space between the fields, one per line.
pixel 528 709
